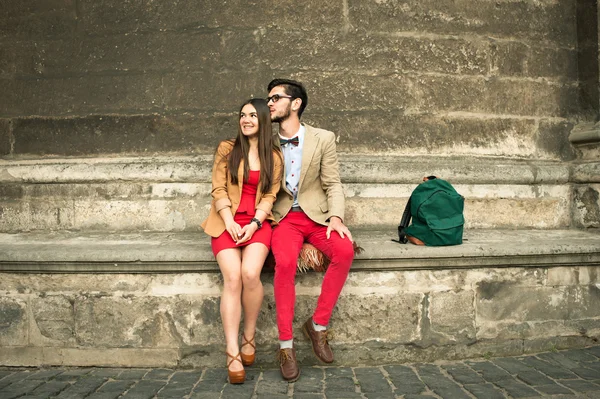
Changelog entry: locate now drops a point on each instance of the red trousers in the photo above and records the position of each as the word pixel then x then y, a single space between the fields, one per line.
pixel 286 243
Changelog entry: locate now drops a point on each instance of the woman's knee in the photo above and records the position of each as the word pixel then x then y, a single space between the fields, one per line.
pixel 232 282
pixel 251 278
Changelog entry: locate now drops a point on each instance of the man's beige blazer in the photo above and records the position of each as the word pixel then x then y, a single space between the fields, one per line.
pixel 320 191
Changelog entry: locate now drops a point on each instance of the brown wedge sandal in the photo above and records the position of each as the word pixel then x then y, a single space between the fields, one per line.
pixel 248 360
pixel 235 377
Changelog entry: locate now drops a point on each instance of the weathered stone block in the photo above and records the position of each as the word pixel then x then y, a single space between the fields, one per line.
pixel 589 275
pixel 139 52
pixel 197 320
pixel 71 96
pixel 495 96
pixel 452 317
pixel 209 91
pixel 348 91
pixel 373 53
pixel 509 301
pixel 519 59
pixel 586 205
pixel 111 16
pixel 563 276
pixel 418 134
pixel 49 18
pixel 142 134
pixel 6 136
pixel 527 20
pixel 14 322
pixel 553 139
pixel 42 215
pixel 546 213
pixel 587 172
pixel 54 318
pixel 396 317
pixel 140 322
pixel 585 302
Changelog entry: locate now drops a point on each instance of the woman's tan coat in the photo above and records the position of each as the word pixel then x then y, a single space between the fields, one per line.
pixel 225 194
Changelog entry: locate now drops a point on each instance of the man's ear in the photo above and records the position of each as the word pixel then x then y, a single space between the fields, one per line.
pixel 296 104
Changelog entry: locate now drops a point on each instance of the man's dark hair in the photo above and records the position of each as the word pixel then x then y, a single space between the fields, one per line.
pixel 292 88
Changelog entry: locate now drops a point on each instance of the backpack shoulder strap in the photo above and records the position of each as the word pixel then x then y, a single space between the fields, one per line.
pixel 404 222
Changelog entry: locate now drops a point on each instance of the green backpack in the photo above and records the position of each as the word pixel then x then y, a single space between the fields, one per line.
pixel 437 216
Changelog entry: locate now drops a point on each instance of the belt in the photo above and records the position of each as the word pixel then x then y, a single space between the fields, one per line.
pixel 296 209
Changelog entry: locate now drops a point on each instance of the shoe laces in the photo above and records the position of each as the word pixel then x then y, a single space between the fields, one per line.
pixel 283 356
pixel 325 336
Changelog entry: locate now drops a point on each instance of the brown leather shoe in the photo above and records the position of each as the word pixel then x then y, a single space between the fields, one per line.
pixel 288 364
pixel 319 341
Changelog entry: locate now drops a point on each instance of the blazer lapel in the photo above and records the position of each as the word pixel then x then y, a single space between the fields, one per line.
pixel 311 141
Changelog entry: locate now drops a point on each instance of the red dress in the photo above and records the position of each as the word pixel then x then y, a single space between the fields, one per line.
pixel 243 216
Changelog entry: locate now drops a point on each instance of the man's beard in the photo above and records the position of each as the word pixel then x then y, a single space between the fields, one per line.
pixel 282 118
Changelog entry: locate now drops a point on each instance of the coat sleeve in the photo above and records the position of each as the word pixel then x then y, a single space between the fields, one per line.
pixel 219 177
pixel 330 178
pixel 268 199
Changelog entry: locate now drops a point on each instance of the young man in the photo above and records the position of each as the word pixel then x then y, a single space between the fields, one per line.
pixel 309 207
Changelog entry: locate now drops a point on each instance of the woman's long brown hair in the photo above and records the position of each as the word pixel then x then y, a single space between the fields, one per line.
pixel 266 146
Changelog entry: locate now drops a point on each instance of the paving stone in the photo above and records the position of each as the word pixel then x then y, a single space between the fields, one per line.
pixel 586 373
pixel 72 375
pixel 18 376
pixel 19 388
pixel 551 370
pixel 379 395
pixel 270 387
pixel 335 394
pixel 311 381
pixel 306 395
pixel 418 397
pixel 535 378
pixel 489 371
pixel 516 389
pixel 559 359
pixel 338 372
pixel 82 387
pixel 484 391
pixel 439 383
pixel 595 350
pixel 581 385
pixel 44 375
pixel 405 380
pixel 185 377
pixel 238 391
pixel 205 395
pixel 116 386
pixel 340 384
pixel 104 395
pixel 579 355
pixel 49 389
pixel 372 380
pixel 512 365
pixel 463 374
pixel 553 389
pixel 4 373
pixel 106 373
pixel 159 374
pixel 133 374
pixel 145 389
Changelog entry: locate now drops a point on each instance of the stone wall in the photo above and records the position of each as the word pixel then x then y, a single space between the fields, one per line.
pixel 473 77
pixel 394 316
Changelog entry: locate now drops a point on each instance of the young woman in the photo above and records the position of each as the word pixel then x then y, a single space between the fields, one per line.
pixel 246 177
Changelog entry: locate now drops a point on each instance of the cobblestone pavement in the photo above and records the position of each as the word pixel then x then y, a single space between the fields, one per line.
pixel 560 375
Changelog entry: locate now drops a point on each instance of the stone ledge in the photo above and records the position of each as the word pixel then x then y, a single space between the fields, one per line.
pixel 151 252
pixel 354 168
